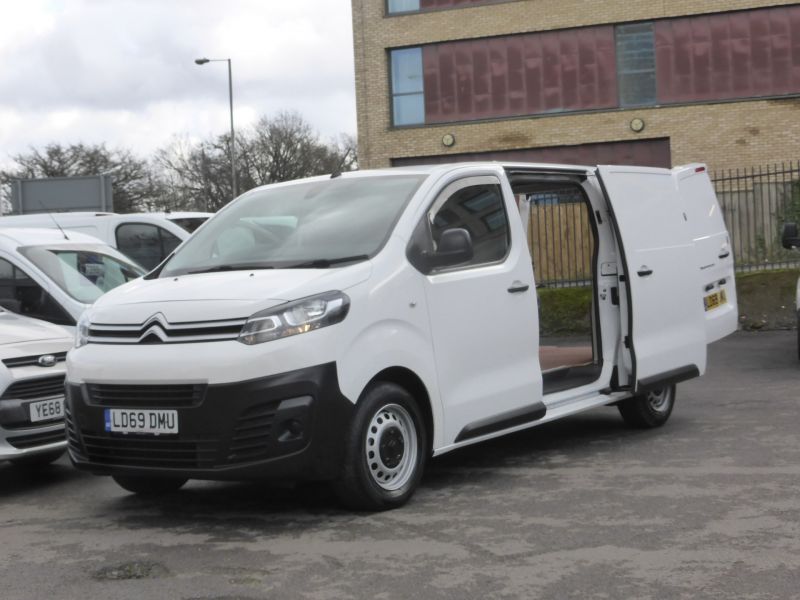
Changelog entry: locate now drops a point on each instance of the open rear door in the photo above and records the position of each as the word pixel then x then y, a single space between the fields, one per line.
pixel 714 255
pixel 665 330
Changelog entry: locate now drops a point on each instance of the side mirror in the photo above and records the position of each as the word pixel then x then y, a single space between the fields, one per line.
pixel 790 238
pixel 455 247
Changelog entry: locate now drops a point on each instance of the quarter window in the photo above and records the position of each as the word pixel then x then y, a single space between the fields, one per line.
pixel 636 64
pixel 408 98
pixel 481 211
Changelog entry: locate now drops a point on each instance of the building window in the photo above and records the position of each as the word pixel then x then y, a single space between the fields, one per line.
pixel 636 64
pixel 407 90
pixel 401 6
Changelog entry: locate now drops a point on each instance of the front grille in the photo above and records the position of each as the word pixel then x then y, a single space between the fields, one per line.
pixel 33 440
pixel 149 452
pixel 157 396
pixel 30 389
pixel 32 361
pixel 159 331
pixel 251 433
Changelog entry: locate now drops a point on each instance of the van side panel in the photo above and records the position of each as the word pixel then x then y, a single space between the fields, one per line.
pixel 665 328
pixel 714 255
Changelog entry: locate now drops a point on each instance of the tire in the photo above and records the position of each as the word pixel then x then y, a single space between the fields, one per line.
pixel 149 486
pixel 37 461
pixel 650 409
pixel 385 450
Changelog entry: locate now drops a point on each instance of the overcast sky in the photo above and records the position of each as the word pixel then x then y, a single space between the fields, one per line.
pixel 122 71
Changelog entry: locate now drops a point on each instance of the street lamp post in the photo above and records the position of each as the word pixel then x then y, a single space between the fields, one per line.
pixel 202 61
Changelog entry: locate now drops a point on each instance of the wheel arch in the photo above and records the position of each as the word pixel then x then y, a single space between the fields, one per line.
pixel 411 382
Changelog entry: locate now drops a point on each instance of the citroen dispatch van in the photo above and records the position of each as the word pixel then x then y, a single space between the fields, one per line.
pixel 347 328
pixel 54 276
pixel 32 355
pixel 146 239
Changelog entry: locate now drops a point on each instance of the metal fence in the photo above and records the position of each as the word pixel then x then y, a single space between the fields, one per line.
pixel 755 203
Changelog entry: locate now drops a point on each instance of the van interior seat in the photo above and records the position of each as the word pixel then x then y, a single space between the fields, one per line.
pixel 559 357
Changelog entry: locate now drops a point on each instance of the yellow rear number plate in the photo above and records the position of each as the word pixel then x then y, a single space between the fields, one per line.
pixel 715 300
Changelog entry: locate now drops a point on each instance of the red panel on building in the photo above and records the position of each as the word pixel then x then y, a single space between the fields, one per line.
pixel 729 55
pixel 522 74
pixel 646 153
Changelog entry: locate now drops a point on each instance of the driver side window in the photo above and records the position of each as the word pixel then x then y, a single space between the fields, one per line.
pixel 22 295
pixel 480 210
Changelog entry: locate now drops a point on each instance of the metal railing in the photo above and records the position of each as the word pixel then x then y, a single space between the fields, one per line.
pixel 755 203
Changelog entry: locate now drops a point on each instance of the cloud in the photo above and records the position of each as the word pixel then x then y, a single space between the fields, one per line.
pixel 122 71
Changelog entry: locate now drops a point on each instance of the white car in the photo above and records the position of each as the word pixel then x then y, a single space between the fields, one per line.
pixel 32 367
pixel 54 276
pixel 348 328
pixel 146 238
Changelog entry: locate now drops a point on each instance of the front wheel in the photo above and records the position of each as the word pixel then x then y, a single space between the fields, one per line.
pixel 149 486
pixel 385 451
pixel 649 409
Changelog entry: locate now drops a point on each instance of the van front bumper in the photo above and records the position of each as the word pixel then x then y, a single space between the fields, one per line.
pixel 288 426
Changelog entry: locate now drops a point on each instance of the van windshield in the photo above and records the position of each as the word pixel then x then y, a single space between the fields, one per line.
pixel 314 224
pixel 85 272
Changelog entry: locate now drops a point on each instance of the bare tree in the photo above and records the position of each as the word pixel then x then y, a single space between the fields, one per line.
pixel 133 183
pixel 276 149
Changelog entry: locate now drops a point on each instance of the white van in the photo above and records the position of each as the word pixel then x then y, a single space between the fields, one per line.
pixel 348 328
pixel 32 355
pixel 54 276
pixel 146 238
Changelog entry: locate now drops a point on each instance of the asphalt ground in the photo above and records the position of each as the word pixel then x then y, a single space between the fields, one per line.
pixel 705 507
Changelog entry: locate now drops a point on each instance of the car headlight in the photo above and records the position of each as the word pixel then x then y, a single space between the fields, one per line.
pixel 82 330
pixel 292 318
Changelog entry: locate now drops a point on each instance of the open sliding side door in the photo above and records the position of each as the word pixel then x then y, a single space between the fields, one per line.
pixel 665 330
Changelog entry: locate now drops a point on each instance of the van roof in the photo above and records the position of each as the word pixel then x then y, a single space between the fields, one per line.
pixel 11 238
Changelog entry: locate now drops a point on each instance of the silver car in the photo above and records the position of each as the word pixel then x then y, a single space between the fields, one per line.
pixel 32 367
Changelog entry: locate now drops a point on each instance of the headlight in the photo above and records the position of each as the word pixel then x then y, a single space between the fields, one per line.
pixel 82 330
pixel 300 316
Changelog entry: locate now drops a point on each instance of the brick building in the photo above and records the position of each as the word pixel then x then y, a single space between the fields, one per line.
pixel 612 81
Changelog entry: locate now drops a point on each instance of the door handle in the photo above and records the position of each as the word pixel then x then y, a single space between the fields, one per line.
pixel 725 254
pixel 518 287
pixel 644 271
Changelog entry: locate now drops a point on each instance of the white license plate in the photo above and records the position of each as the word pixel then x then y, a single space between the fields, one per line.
pixel 46 410
pixel 130 420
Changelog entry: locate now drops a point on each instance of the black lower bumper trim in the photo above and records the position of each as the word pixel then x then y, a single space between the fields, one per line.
pixel 286 426
pixel 668 378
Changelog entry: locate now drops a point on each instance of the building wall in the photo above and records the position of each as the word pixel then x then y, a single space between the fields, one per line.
pixel 723 134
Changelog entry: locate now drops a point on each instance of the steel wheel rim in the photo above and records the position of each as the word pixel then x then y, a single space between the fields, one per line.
pixel 659 400
pixel 391 448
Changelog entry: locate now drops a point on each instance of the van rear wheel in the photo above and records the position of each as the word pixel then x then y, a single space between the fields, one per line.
pixel 386 449
pixel 149 486
pixel 649 409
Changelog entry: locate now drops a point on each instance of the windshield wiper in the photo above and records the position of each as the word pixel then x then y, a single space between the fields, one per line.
pixel 241 267
pixel 324 263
